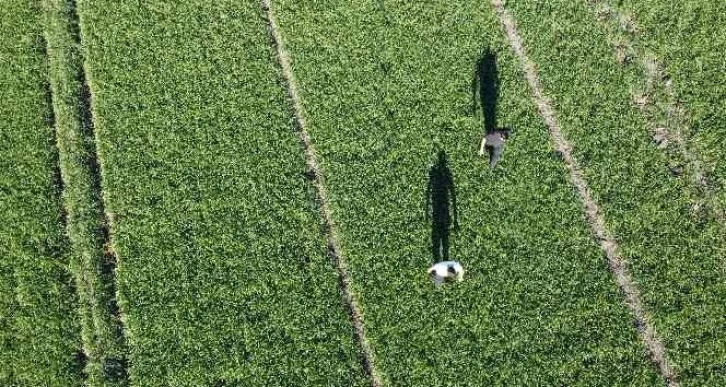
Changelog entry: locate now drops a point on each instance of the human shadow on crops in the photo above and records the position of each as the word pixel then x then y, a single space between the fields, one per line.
pixel 440 203
pixel 485 85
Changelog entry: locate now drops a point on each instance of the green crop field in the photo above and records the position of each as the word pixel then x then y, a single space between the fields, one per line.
pixel 222 269
pixel 539 304
pixel 690 37
pixel 676 256
pixel 161 222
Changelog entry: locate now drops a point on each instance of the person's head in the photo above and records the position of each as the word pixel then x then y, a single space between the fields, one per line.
pixel 506 132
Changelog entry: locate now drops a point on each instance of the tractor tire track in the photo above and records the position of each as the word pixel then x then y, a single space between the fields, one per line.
pixel 660 105
pixel 315 171
pixel 618 266
pixel 93 259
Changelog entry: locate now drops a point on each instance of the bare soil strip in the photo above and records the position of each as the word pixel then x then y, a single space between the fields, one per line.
pixel 665 113
pixel 617 265
pixel 322 197
pixel 93 260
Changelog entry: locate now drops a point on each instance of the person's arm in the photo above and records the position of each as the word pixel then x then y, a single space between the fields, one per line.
pixel 483 143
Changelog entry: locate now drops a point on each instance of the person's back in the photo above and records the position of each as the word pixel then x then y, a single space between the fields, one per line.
pixel 494 144
pixel 444 270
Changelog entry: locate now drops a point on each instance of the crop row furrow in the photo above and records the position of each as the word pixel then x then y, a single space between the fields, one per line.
pixel 688 38
pixel 674 254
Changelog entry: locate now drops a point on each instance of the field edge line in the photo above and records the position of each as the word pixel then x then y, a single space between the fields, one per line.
pixel 318 179
pixel 617 265
pixel 87 225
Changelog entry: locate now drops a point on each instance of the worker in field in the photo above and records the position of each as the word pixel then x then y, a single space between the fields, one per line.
pixel 485 85
pixel 440 201
pixel 446 270
pixel 493 142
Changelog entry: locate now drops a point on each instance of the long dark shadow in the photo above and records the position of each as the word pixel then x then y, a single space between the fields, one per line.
pixel 440 203
pixel 485 83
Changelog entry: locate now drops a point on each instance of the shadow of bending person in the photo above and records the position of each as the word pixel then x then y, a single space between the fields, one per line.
pixel 486 85
pixel 440 202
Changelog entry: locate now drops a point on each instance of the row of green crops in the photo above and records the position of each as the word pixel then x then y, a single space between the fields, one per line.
pixel 39 340
pixel 675 255
pixel 388 85
pixel 690 37
pixel 222 270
